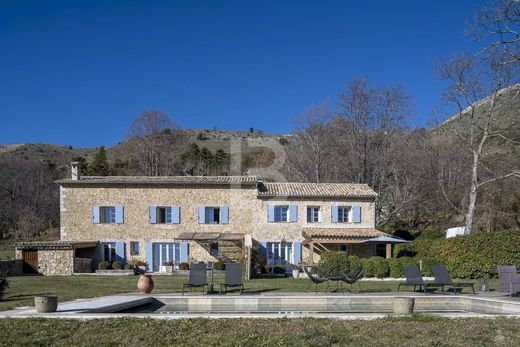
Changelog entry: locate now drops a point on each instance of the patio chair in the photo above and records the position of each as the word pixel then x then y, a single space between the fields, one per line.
pixel 442 278
pixel 414 278
pixel 233 277
pixel 315 278
pixel 508 279
pixel 354 279
pixel 197 277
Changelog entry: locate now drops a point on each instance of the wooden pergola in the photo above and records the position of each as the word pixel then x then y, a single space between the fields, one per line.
pixel 317 238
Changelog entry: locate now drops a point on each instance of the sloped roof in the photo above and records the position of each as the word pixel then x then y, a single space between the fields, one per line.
pixel 56 244
pixel 341 233
pixel 315 190
pixel 158 180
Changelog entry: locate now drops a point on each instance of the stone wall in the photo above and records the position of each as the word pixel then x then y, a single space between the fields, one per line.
pixel 56 262
pixel 76 213
pixel 12 267
pixel 266 232
pixel 247 214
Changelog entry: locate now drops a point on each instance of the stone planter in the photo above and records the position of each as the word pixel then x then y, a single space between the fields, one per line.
pixel 168 269
pixel 145 284
pixel 403 306
pixel 46 303
pixel 295 273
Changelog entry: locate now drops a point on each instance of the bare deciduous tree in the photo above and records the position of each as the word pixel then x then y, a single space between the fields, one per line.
pixel 478 90
pixel 498 27
pixel 152 134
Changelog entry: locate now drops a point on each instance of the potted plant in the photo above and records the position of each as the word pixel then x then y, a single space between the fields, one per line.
pixel 168 266
pixel 296 270
pixel 139 266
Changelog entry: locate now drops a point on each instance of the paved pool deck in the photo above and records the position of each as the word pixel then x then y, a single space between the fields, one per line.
pixel 279 305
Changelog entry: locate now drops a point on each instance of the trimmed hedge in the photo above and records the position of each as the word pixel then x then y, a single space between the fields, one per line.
pixel 376 267
pixel 476 255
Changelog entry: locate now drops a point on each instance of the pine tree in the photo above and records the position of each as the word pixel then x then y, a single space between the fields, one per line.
pixel 99 166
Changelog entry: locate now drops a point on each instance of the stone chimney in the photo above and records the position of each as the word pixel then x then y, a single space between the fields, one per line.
pixel 74 170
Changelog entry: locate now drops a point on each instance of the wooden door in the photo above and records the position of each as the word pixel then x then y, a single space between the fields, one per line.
pixel 30 261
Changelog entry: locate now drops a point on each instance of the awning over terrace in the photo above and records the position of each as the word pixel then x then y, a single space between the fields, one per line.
pixel 207 236
pixel 55 245
pixel 316 238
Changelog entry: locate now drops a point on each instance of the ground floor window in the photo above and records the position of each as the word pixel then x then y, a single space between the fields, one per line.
pixel 109 251
pixel 134 248
pixel 279 254
pixel 166 253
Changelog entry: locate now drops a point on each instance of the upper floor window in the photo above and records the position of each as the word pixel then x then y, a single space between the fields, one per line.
pixel 343 214
pixel 164 214
pixel 213 214
pixel 313 214
pixel 281 213
pixel 107 214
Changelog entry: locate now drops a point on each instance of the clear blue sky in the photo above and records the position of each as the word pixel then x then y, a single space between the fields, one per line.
pixel 77 72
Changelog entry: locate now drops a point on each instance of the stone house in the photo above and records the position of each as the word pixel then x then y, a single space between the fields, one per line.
pixel 203 218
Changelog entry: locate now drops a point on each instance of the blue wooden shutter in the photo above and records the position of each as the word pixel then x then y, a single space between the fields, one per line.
pixel 202 215
pixel 95 214
pixel 152 214
pixel 120 252
pixel 176 214
pixel 293 213
pixel 184 252
pixel 270 213
pixel 297 252
pixel 334 213
pixel 148 248
pixel 356 214
pixel 119 214
pixel 156 260
pixel 224 214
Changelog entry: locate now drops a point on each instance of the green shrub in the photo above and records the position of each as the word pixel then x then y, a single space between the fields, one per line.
pixel 473 256
pixel 104 265
pixel 184 266
pixel 396 265
pixel 376 267
pixel 354 264
pixel 218 265
pixel 117 265
pixel 3 284
pixel 427 263
pixel 333 264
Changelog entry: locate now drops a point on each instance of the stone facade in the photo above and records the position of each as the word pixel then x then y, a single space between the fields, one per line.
pixel 247 206
pixel 56 262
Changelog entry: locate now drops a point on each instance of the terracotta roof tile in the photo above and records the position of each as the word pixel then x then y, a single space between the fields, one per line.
pixel 315 190
pixel 342 233
pixel 158 180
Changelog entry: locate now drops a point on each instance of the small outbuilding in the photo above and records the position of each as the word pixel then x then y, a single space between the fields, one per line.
pixel 53 258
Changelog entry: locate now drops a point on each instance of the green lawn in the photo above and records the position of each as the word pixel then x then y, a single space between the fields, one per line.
pixel 22 289
pixel 412 331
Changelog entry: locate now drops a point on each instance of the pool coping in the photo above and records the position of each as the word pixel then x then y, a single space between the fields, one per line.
pixel 107 306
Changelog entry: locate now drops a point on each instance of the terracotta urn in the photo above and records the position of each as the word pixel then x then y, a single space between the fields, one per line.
pixel 145 284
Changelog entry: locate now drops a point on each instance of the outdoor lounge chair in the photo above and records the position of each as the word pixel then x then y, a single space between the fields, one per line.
pixel 413 278
pixel 508 279
pixel 442 278
pixel 354 279
pixel 233 277
pixel 315 278
pixel 197 277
